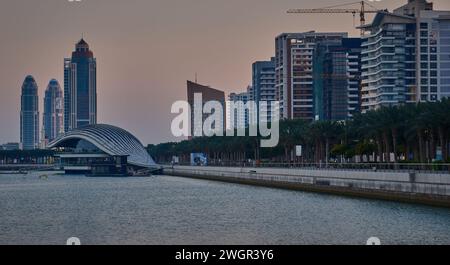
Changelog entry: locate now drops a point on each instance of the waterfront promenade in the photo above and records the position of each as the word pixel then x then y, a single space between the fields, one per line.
pixel 407 186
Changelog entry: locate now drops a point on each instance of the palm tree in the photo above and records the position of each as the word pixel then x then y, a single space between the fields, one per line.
pixel 323 133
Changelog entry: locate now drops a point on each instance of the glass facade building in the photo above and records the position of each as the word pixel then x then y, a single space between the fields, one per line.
pixel 80 88
pixel 337 70
pixel 53 111
pixel 29 115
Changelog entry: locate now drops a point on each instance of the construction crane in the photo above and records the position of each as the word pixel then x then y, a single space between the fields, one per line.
pixel 334 10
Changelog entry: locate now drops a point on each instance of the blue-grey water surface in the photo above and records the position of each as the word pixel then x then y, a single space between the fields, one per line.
pixel 173 210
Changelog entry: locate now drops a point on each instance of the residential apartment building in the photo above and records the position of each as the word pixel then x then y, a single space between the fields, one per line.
pixel 263 83
pixel 406 56
pixel 238 118
pixel 294 64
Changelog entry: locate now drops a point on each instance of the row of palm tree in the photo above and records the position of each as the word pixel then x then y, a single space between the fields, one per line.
pixel 408 133
pixel 415 132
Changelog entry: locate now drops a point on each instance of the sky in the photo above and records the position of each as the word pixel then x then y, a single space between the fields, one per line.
pixel 147 49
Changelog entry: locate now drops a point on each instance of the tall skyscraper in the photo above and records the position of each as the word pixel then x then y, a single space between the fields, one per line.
pixel 406 56
pixel 294 64
pixel 29 114
pixel 208 94
pixel 80 88
pixel 263 83
pixel 53 111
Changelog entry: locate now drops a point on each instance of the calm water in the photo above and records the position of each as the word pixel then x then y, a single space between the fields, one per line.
pixel 172 210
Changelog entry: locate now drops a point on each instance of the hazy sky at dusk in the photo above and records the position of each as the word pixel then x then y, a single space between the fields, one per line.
pixel 147 49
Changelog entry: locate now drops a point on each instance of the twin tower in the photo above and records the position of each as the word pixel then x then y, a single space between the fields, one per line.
pixel 62 113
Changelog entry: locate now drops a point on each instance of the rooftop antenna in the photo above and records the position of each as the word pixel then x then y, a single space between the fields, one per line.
pixel 195 77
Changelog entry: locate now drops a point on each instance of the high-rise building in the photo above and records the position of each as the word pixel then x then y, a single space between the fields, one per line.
pixel 80 88
pixel 406 56
pixel 208 94
pixel 29 115
pixel 434 55
pixel 353 53
pixel 336 71
pixel 388 62
pixel 294 65
pixel 413 8
pixel 263 83
pixel 239 119
pixel 53 111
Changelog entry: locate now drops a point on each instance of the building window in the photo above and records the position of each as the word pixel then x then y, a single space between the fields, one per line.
pixel 445 57
pixel 445 81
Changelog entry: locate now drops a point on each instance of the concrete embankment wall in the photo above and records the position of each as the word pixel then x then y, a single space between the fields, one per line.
pixel 427 188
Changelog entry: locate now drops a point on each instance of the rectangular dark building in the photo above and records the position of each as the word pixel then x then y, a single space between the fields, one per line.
pixel 208 94
pixel 337 81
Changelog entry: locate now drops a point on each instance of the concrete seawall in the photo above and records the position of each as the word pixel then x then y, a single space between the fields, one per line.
pixel 414 187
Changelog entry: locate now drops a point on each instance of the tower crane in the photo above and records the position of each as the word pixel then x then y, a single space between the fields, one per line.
pixel 362 11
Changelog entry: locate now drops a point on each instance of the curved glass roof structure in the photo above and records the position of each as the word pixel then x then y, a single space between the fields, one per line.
pixel 112 140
